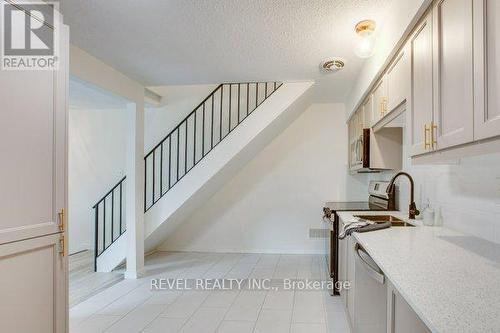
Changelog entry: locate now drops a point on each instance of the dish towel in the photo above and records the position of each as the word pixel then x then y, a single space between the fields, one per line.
pixel 362 226
pixel 354 226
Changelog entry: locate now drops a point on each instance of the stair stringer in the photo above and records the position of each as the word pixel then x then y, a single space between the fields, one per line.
pixel 113 256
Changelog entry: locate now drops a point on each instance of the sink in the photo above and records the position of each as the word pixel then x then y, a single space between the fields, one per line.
pixel 395 222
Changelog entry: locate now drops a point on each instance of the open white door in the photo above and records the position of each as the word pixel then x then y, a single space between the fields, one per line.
pixel 33 197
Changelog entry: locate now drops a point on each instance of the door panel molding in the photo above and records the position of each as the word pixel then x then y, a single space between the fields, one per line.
pixel 38 292
pixel 421 97
pixel 485 125
pixel 453 73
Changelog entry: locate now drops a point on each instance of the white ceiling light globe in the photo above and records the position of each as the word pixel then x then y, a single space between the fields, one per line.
pixel 365 41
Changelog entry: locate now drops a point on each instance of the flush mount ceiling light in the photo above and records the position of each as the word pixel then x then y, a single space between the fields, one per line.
pixel 365 45
pixel 333 64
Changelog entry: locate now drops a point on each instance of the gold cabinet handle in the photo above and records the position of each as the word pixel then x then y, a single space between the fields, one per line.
pixel 383 107
pixel 427 129
pixel 62 246
pixel 433 137
pixel 61 220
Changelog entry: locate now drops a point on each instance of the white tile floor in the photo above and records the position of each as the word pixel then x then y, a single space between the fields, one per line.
pixel 131 305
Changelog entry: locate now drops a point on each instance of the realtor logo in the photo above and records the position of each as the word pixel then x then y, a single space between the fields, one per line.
pixel 29 35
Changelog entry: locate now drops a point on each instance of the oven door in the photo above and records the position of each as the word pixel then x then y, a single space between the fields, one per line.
pixel 328 220
pixel 331 247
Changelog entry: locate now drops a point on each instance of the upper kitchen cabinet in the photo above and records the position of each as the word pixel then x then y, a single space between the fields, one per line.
pixel 379 100
pixel 487 68
pixel 398 79
pixel 420 117
pixel 368 112
pixel 361 120
pixel 453 119
pixel 391 90
pixel 354 132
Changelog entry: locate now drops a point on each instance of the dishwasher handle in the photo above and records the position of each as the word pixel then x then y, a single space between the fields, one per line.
pixel 377 275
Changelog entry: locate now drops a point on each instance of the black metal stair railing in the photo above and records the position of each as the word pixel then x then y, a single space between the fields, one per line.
pixel 184 147
pixel 109 219
pixel 198 133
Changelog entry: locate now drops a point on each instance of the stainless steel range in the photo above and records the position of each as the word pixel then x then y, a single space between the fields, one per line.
pixel 378 199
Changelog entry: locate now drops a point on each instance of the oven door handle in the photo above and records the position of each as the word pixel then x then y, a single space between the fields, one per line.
pixel 376 275
pixel 327 215
pixel 327 219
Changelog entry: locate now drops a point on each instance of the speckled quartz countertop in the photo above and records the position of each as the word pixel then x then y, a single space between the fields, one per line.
pixel 451 280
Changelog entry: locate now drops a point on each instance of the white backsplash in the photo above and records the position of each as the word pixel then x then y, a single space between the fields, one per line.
pixel 467 190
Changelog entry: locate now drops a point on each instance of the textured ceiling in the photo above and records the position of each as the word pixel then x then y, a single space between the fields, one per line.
pixel 170 42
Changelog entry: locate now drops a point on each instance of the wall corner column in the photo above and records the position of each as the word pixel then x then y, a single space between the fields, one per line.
pixel 135 191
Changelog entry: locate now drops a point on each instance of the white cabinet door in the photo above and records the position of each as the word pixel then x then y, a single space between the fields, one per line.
pixel 29 123
pixel 398 78
pixel 361 119
pixel 379 100
pixel 33 286
pixel 487 69
pixel 355 124
pixel 453 73
pixel 400 316
pixel 368 112
pixel 33 178
pixel 421 106
pixel 350 143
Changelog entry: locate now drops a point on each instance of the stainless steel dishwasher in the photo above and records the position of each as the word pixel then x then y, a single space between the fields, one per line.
pixel 370 294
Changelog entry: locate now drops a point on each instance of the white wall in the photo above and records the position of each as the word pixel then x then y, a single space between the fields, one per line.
pixel 97 136
pixel 272 202
pixel 466 189
pixel 179 101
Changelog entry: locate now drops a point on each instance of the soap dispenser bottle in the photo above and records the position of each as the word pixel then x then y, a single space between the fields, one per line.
pixel 428 214
pixel 438 217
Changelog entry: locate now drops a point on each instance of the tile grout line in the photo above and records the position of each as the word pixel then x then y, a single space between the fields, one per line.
pixel 262 305
pixel 225 313
pixel 108 304
pixel 199 306
pixel 149 323
pixel 293 309
pixel 138 305
pixel 140 285
pixel 230 305
pixel 323 272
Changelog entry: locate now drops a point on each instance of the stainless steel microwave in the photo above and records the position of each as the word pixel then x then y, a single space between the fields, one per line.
pixel 377 151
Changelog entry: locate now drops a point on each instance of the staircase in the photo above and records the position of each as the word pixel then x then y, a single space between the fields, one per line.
pixel 196 158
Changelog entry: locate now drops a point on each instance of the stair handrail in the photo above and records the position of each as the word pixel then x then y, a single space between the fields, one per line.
pixel 122 227
pixel 266 90
pixel 183 120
